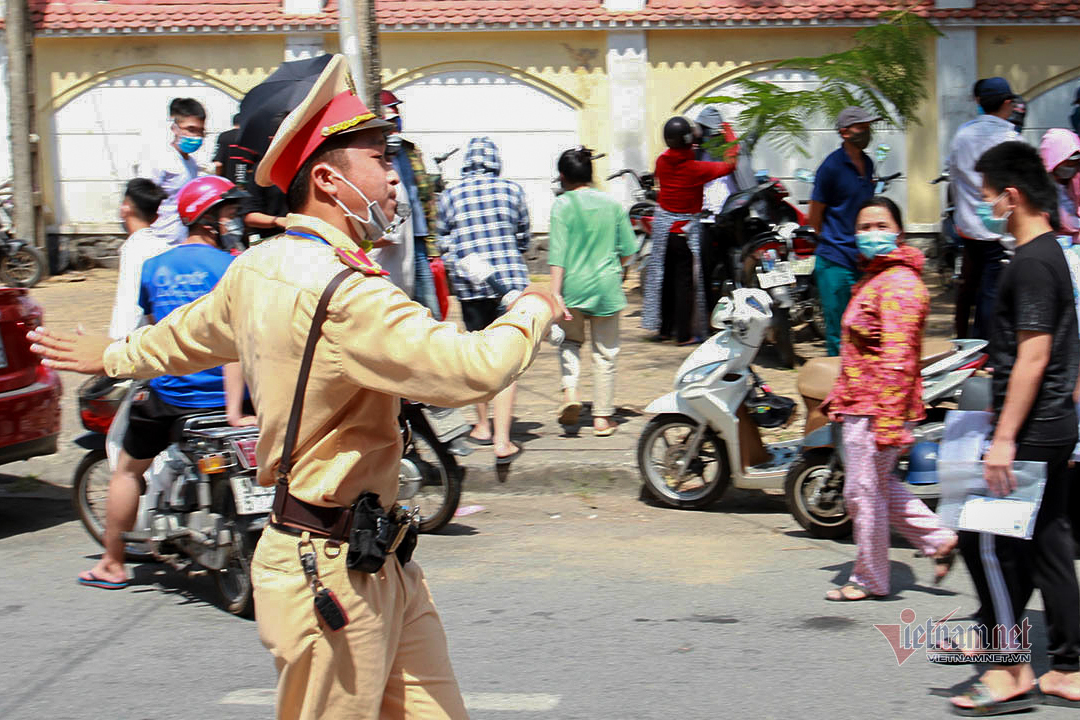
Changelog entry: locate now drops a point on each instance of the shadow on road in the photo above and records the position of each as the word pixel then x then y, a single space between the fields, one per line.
pixel 187 589
pixel 20 515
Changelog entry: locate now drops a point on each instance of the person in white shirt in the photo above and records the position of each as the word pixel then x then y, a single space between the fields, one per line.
pixel 983 250
pixel 138 211
pixel 173 166
pixel 395 250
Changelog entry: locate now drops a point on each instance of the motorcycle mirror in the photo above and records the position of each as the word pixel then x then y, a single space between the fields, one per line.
pixel 881 152
pixel 804 175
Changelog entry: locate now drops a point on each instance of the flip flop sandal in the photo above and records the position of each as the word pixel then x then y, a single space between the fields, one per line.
pixel 688 343
pixel 841 597
pixel 606 432
pixel 985 704
pixel 95 582
pixel 569 413
pixel 1046 698
pixel 507 459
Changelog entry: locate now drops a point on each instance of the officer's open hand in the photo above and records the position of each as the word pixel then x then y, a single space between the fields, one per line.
pixel 79 353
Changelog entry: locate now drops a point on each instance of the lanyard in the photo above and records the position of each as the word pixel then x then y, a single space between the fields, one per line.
pixel 309 236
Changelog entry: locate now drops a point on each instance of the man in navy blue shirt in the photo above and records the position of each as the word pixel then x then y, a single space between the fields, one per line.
pixel 176 277
pixel 843 183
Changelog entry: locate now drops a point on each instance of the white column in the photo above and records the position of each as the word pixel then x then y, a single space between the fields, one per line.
pixel 300 46
pixel 627 67
pixel 956 75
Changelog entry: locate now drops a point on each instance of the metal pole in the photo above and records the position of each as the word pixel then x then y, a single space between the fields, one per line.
pixel 22 179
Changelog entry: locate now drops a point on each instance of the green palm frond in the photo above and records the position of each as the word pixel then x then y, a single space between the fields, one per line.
pixel 885 72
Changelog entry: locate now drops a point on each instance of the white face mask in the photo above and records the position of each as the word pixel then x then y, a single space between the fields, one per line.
pixel 371 228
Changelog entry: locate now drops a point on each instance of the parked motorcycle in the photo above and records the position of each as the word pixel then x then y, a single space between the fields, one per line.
pixel 641 212
pixel 706 433
pixel 21 264
pixel 201 508
pixel 814 486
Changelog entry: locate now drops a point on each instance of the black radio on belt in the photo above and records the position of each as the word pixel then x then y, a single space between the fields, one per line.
pixel 375 534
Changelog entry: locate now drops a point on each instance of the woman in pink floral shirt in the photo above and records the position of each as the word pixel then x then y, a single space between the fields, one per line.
pixel 877 396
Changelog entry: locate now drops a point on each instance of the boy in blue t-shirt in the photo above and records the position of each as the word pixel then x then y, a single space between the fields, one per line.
pixel 169 281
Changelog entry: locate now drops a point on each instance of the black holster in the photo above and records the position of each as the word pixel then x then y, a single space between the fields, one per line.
pixel 373 535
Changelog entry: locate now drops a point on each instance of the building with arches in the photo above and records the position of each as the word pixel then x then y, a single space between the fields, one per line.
pixel 536 75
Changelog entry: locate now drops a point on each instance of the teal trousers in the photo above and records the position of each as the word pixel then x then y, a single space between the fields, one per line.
pixel 834 288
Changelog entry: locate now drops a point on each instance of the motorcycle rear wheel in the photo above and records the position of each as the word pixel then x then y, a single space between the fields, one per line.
pixel 705 480
pixel 234 580
pixel 430 478
pixel 825 517
pixel 23 268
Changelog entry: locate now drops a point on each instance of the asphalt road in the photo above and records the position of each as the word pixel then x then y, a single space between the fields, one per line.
pixel 556 606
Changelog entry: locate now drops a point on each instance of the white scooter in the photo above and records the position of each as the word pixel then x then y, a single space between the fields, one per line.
pixel 706 433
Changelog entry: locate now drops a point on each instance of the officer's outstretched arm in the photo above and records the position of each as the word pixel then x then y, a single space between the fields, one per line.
pixel 391 344
pixel 194 337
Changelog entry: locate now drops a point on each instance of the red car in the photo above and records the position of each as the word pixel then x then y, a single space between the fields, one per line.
pixel 29 392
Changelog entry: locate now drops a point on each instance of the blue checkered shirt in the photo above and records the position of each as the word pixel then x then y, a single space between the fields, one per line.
pixel 488 215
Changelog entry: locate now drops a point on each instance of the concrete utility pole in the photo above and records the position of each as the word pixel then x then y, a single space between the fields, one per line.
pixel 358 29
pixel 19 115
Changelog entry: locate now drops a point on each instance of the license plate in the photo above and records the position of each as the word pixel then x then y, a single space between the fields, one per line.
pixel 803 266
pixel 781 275
pixel 251 499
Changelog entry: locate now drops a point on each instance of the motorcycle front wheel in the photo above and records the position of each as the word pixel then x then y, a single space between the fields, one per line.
pixel 430 479
pixel 234 580
pixel 23 268
pixel 664 443
pixel 815 496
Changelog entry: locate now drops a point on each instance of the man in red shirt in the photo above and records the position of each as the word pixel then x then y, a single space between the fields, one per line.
pixel 682 180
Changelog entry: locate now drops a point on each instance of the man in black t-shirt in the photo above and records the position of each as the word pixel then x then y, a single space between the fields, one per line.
pixel 225 142
pixel 1035 354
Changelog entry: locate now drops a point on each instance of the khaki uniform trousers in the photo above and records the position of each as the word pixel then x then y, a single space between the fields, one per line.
pixel 604 332
pixel 389 662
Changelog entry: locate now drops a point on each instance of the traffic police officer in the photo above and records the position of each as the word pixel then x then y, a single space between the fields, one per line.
pixel 390 659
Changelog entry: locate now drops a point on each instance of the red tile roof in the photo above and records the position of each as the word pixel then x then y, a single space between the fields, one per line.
pixel 166 16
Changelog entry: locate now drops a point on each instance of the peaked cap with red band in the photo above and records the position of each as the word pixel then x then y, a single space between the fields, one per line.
pixel 331 108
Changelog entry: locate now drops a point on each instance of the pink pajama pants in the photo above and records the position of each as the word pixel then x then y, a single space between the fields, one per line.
pixel 874 497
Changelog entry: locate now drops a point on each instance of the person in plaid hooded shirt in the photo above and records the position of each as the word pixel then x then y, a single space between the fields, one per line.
pixel 486 215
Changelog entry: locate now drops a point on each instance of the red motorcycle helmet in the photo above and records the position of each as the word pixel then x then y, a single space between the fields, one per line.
pixel 203 193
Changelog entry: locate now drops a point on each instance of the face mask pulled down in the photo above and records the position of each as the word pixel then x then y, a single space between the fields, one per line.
pixel 875 242
pixel 369 229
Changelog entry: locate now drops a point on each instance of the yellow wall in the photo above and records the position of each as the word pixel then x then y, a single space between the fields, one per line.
pixel 1032 59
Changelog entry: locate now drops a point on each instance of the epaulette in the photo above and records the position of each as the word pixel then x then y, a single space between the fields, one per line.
pixel 357 260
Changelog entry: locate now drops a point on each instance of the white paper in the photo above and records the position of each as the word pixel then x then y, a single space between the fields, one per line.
pixel 966 435
pixel 967 504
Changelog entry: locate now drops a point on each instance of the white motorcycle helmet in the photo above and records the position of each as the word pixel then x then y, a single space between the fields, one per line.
pixel 747 312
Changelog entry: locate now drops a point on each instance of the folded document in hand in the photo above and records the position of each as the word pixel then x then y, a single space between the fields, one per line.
pixel 966 502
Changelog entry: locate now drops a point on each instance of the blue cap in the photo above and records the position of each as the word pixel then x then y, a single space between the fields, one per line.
pixel 994 87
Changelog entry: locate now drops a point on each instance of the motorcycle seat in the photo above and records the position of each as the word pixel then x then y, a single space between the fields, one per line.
pixel 817 375
pixel 933 350
pixel 199 420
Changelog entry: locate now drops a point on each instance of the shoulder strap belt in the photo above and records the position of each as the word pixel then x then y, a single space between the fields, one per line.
pixel 317 320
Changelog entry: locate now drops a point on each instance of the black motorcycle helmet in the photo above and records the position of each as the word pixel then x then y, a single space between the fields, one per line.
pixel 678 133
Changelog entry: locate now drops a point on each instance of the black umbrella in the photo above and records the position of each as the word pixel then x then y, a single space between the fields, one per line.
pixel 265 106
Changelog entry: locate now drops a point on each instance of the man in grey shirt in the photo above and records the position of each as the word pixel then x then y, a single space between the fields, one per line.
pixel 983 250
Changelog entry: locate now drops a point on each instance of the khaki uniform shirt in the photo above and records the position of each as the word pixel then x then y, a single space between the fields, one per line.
pixel 376 345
